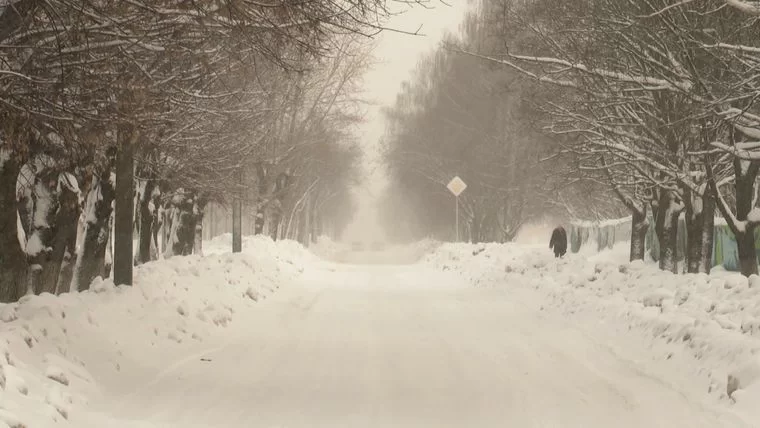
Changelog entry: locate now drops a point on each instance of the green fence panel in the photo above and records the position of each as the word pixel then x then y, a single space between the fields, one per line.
pixel 725 251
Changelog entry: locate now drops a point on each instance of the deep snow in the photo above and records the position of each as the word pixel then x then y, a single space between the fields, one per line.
pixel 699 333
pixel 61 356
pixel 470 335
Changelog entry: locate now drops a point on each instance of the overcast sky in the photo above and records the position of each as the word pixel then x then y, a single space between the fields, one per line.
pixel 395 57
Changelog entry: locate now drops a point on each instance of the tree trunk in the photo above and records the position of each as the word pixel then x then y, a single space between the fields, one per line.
pixel 307 222
pixel 188 221
pixel 172 248
pixel 108 263
pixel 145 223
pixel 745 239
pixel 639 227
pixel 694 234
pixel 58 275
pixel 274 218
pixel 166 214
pixel 666 228
pixel 745 243
pixel 700 213
pixel 198 241
pixel 745 173
pixel 156 221
pixel 182 231
pixel 198 210
pixel 12 261
pixel 315 224
pixel 258 225
pixel 708 231
pixel 262 175
pixel 124 221
pixel 237 217
pixel 38 204
pixel 66 275
pixel 90 262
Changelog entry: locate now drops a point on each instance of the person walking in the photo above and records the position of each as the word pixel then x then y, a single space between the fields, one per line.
pixel 558 241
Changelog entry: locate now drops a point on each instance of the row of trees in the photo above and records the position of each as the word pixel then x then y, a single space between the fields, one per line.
pixel 460 115
pixel 661 97
pixel 655 99
pixel 122 119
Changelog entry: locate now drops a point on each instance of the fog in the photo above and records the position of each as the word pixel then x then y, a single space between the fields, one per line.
pixel 396 54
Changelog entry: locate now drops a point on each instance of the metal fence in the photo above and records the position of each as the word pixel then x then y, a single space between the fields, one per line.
pixel 604 235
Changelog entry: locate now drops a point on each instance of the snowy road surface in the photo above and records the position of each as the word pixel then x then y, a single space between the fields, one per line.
pixel 401 346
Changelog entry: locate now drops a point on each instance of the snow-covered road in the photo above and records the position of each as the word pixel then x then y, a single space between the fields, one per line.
pixel 404 346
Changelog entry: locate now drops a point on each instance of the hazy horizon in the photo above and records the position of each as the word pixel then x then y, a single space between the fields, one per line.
pixel 395 56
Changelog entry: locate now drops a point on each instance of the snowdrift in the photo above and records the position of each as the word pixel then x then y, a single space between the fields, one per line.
pixel 704 329
pixel 58 353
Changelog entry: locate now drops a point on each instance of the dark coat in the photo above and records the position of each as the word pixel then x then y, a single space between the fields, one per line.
pixel 559 240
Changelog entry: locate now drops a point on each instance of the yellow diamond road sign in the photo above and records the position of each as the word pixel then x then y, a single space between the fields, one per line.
pixel 456 186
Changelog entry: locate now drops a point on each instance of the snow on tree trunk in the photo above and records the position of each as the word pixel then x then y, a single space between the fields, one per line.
pixel 182 225
pixel 155 214
pixel 199 206
pixel 666 227
pixel 12 260
pixel 166 215
pixel 745 238
pixel 145 223
pixel 98 207
pixel 639 227
pixel 740 222
pixel 258 226
pixel 108 262
pixel 38 192
pixel 59 273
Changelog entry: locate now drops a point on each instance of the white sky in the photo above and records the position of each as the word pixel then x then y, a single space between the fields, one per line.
pixel 396 56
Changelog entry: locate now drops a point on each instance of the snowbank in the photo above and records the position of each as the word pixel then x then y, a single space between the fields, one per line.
pixel 57 353
pixel 704 330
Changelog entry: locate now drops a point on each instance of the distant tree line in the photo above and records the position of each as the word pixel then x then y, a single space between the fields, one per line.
pixel 460 115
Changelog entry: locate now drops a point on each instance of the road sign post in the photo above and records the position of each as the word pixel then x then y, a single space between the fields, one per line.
pixel 456 186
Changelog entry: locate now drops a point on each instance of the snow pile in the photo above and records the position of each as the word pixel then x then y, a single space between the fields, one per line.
pixel 705 329
pixel 57 353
